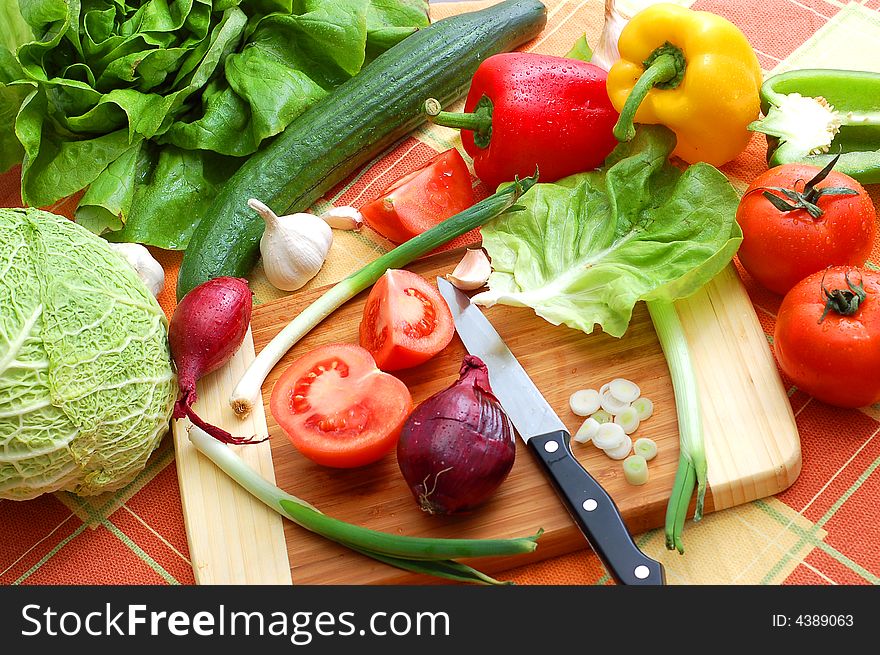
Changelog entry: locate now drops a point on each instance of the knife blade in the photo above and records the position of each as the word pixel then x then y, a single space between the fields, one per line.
pixel 589 505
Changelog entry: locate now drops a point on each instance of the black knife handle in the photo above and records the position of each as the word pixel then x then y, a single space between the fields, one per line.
pixel 595 513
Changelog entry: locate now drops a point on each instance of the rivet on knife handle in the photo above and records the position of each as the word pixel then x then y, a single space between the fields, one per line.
pixel 595 513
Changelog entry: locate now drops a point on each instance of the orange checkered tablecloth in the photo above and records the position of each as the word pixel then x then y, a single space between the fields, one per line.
pixel 822 530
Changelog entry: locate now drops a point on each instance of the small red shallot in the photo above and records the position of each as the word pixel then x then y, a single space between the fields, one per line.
pixel 207 328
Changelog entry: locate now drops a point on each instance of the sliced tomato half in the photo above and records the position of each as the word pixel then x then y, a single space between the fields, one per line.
pixel 420 200
pixel 405 322
pixel 338 409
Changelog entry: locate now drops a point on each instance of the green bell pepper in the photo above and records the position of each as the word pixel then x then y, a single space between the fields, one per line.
pixel 811 115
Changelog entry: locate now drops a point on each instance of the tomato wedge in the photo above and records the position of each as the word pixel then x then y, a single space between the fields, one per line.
pixel 338 409
pixel 406 321
pixel 420 200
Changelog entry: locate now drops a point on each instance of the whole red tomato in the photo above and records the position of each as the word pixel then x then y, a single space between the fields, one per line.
pixel 832 356
pixel 781 248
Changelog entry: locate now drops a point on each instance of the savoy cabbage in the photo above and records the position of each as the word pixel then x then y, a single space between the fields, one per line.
pixel 86 380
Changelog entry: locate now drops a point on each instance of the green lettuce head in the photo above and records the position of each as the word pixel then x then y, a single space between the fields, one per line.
pixel 86 382
pixel 150 105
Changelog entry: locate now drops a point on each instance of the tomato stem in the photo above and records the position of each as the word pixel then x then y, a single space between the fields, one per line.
pixel 809 197
pixel 844 302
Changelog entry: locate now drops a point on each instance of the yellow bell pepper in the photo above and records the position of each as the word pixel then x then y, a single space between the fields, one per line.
pixel 692 71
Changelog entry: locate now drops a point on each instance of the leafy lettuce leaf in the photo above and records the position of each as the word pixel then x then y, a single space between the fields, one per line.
pixel 15 29
pixel 11 97
pixel 581 50
pixel 587 248
pixel 182 184
pixel 390 21
pixel 103 84
pixel 14 32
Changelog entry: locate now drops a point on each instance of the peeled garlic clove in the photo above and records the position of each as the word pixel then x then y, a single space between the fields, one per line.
pixel 148 269
pixel 472 271
pixel 343 218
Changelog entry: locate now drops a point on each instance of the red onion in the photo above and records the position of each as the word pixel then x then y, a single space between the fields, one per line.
pixel 457 446
pixel 206 329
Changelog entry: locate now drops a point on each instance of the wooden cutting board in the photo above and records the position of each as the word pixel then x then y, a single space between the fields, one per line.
pixel 751 441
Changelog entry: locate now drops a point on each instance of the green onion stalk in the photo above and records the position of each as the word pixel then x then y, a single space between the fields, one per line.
pixel 247 392
pixel 436 557
pixel 692 458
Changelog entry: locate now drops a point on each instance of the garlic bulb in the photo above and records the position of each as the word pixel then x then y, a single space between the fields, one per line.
pixel 293 247
pixel 148 269
pixel 617 14
pixel 606 52
pixel 472 271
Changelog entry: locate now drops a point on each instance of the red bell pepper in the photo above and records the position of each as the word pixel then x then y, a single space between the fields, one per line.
pixel 527 110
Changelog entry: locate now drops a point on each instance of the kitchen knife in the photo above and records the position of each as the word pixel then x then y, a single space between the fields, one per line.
pixel 588 503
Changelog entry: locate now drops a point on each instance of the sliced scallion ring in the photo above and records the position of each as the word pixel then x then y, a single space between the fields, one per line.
pixel 587 431
pixel 611 404
pixel 602 417
pixel 628 419
pixel 635 470
pixel 645 447
pixel 624 390
pixel 644 407
pixel 584 402
pixel 622 450
pixel 609 436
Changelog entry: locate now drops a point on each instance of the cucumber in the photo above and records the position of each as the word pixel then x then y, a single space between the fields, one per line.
pixel 347 128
